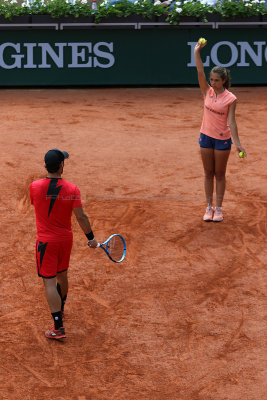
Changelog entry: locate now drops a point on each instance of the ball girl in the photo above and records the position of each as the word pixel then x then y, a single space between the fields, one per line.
pixel 218 125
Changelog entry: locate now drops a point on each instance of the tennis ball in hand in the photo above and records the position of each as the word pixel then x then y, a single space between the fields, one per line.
pixel 202 41
pixel 242 155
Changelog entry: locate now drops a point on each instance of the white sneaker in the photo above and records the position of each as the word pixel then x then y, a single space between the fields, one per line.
pixel 208 216
pixel 218 214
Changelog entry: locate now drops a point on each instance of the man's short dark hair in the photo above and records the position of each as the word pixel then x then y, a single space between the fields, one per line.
pixel 52 167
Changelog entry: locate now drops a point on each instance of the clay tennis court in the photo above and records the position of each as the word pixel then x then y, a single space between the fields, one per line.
pixel 183 317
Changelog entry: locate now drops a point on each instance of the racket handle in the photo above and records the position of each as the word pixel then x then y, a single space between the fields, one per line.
pixel 89 244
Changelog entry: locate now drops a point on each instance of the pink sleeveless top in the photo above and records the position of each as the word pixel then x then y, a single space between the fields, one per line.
pixel 215 118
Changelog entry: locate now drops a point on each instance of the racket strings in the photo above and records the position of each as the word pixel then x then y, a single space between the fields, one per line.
pixel 116 248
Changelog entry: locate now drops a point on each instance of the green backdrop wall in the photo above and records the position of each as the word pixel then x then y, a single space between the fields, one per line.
pixel 128 57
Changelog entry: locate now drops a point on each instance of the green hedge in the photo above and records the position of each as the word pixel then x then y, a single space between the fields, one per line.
pixel 124 8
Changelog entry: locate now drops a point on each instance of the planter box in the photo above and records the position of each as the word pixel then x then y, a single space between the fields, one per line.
pixel 79 20
pixel 47 19
pixel 253 18
pixel 163 18
pixel 125 20
pixel 216 17
pixel 130 18
pixel 7 24
pixel 185 18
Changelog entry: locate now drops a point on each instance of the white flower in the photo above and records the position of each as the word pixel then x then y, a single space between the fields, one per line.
pixel 157 2
pixel 13 2
pixel 178 3
pixel 84 1
pixel 179 10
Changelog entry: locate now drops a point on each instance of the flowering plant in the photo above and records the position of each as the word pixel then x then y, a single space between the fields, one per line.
pixel 125 8
pixel 226 8
pixel 189 8
pixel 241 8
pixel 54 8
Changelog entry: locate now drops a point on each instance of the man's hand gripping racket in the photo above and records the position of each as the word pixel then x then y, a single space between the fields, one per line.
pixel 114 247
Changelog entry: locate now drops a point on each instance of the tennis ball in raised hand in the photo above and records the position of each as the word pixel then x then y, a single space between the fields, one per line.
pixel 202 41
pixel 242 155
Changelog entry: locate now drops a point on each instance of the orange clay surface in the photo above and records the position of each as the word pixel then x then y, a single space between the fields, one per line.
pixel 182 318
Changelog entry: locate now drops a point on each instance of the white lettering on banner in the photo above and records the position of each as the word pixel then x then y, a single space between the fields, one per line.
pixel 206 63
pixel 76 54
pixel 57 58
pixel 214 54
pixel 103 54
pixel 83 55
pixel 257 58
pixel 17 58
pixel 238 52
pixel 29 47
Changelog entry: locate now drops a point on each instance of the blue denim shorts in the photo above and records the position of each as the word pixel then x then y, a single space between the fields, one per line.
pixel 211 143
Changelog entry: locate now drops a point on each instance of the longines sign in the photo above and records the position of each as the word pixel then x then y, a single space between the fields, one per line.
pixel 83 55
pixel 241 54
pixel 128 57
pixel 89 55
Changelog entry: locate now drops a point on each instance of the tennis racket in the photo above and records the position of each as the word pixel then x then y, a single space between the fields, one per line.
pixel 114 247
